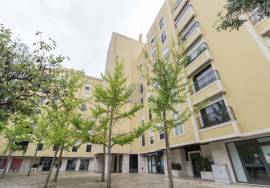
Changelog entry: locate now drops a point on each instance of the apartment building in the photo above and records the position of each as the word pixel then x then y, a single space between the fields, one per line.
pixel 78 159
pixel 229 70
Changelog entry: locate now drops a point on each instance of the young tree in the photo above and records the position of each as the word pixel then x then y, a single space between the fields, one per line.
pixel 39 135
pixel 234 10
pixel 25 76
pixel 18 129
pixel 61 112
pixel 110 100
pixel 168 88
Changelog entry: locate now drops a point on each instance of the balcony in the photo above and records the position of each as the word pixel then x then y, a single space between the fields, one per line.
pixel 221 116
pixel 178 7
pixel 197 59
pixel 213 88
pixel 185 15
pixel 256 17
pixel 191 37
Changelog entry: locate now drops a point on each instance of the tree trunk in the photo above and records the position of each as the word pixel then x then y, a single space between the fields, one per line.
pixel 6 165
pixel 59 163
pixel 168 152
pixel 109 180
pixel 104 161
pixel 32 160
pixel 51 168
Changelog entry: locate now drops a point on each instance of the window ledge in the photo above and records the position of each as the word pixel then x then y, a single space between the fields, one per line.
pixel 216 126
pixel 205 88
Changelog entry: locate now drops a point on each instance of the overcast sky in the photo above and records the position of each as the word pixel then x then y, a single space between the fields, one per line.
pixel 81 28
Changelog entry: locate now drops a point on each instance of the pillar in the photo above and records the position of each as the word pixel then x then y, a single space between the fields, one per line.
pixel 64 165
pixel 78 165
pixel 125 164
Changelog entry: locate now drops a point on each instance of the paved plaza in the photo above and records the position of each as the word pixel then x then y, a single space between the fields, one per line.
pixel 92 180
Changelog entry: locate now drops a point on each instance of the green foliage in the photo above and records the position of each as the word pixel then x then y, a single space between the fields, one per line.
pixel 19 129
pixel 168 87
pixel 62 110
pixel 26 77
pixel 205 164
pixel 110 100
pixel 232 17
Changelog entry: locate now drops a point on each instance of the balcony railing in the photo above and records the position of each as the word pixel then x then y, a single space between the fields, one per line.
pixel 182 14
pixel 256 17
pixel 186 33
pixel 205 81
pixel 177 3
pixel 196 53
pixel 215 118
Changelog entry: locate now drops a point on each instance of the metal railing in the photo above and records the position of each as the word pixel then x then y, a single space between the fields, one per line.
pixel 216 118
pixel 207 80
pixel 186 33
pixel 256 17
pixel 196 53
pixel 182 13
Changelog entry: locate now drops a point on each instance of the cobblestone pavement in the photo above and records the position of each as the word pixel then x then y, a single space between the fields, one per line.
pixel 92 180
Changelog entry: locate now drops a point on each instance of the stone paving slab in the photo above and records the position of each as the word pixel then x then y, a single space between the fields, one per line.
pixel 92 180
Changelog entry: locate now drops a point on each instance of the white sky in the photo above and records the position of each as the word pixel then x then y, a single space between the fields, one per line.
pixel 81 28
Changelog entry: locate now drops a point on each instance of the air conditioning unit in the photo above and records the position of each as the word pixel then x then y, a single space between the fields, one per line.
pixel 221 173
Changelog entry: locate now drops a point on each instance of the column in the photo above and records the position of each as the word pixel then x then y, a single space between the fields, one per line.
pixel 165 163
pixel 125 164
pixel 64 165
pixel 142 164
pixel 78 165
pixel 221 163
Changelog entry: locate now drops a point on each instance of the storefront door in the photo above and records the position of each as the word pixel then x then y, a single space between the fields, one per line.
pixel 155 164
pixel 195 162
pixel 255 157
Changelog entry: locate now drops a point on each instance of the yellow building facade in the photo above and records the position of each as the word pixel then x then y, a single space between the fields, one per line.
pixel 229 70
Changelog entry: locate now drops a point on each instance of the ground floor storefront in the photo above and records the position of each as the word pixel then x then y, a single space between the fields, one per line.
pixel 237 160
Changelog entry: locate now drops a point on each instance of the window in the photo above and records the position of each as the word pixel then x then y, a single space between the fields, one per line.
pixel 154 53
pixel 267 38
pixel 39 147
pixel 88 148
pixel 257 16
pixel 141 101
pixel 197 49
pixel 204 78
pixel 55 147
pixel 150 114
pixel 143 140
pixel 214 114
pixel 151 136
pixel 161 133
pixel 176 4
pixel 22 145
pixel 141 88
pixel 152 40
pixel 83 107
pixel 74 148
pixel 189 29
pixel 166 53
pixel 178 129
pixel 87 88
pixel 182 14
pixel 161 23
pixel 163 37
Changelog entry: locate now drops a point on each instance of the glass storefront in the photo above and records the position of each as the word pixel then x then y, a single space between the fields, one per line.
pixel 251 160
pixel 155 163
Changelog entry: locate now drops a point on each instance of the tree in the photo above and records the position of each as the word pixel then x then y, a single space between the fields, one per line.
pixel 232 17
pixel 110 100
pixel 18 130
pixel 26 76
pixel 60 114
pixel 168 88
pixel 39 135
